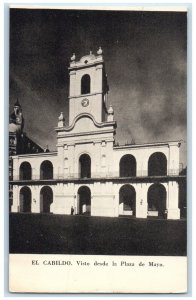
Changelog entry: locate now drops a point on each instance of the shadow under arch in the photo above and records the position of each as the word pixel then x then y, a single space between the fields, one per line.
pixel 46 170
pixel 127 166
pixel 84 166
pixel 84 200
pixel 25 172
pixel 46 199
pixel 157 164
pixel 156 198
pixel 127 200
pixel 25 200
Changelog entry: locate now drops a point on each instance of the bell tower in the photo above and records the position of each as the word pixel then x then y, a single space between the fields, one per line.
pixel 88 87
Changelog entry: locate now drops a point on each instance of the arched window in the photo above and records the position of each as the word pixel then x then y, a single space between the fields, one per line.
pixel 85 166
pixel 157 164
pixel 85 84
pixel 25 171
pixel 128 166
pixel 127 200
pixel 46 199
pixel 157 199
pixel 84 200
pixel 46 170
pixel 25 199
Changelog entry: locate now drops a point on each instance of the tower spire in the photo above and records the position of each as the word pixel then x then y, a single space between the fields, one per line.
pixel 17 103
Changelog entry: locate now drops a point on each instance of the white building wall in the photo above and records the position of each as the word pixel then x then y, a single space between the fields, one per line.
pixel 35 161
pixel 104 198
pixel 104 163
pixel 173 201
pixel 95 96
pixel 16 200
pixel 35 198
pixel 141 200
pixel 141 154
pixel 94 107
pixel 173 160
pixel 63 199
pixel 87 134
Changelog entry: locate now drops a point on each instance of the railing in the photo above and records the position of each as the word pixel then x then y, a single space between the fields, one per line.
pixel 94 175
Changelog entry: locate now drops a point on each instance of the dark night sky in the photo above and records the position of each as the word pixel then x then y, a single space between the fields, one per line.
pixel 145 56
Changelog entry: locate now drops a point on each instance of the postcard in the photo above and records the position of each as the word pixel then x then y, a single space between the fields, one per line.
pixel 97 150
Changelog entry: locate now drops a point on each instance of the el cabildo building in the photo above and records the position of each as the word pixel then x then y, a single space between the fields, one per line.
pixel 89 172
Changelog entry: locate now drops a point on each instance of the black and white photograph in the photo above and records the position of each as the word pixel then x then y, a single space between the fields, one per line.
pixel 98 132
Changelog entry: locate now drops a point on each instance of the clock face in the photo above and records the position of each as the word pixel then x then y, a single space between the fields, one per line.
pixel 85 102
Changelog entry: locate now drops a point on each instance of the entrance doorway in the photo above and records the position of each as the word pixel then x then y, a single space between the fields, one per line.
pixel 127 200
pixel 84 201
pixel 156 200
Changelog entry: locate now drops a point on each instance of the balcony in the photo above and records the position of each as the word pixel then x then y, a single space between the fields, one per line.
pixel 142 176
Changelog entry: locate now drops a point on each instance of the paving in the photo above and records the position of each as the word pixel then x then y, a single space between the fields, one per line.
pixel 60 234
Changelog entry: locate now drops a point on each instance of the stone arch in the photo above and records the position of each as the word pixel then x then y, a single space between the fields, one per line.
pixel 46 199
pixel 127 166
pixel 85 166
pixel 85 84
pixel 157 164
pixel 25 199
pixel 46 170
pixel 127 200
pixel 156 198
pixel 25 172
pixel 84 200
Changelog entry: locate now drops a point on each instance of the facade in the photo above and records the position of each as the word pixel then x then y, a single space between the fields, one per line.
pixel 91 174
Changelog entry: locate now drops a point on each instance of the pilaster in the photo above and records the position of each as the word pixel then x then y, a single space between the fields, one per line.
pixel 173 211
pixel 141 200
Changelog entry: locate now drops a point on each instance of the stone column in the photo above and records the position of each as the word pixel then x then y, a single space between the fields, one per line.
pixel 62 204
pixel 121 210
pixel 97 81
pixel 59 168
pixel 16 169
pixel 16 199
pixel 102 159
pixel 141 200
pixel 173 196
pixel 103 200
pixel 97 157
pixel 141 165
pixel 73 163
pixel 63 199
pixel 35 199
pixel 66 162
pixel 173 161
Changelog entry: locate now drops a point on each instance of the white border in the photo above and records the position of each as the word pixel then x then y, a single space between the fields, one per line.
pixel 3 130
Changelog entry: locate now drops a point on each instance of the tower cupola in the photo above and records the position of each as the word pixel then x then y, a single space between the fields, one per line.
pixel 16 121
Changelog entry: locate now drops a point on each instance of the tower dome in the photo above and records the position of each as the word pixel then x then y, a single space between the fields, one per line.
pixel 16 122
